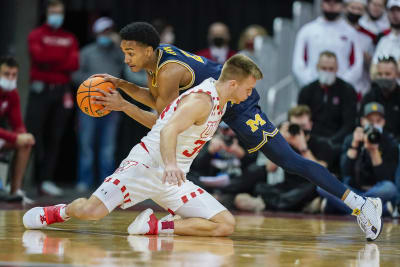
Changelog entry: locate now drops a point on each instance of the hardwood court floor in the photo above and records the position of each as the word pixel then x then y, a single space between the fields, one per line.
pixel 258 241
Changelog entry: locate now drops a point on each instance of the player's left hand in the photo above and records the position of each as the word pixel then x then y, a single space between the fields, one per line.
pixel 110 100
pixel 173 175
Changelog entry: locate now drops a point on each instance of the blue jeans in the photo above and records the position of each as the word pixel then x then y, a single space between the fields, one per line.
pixel 386 190
pixel 101 131
pixel 397 180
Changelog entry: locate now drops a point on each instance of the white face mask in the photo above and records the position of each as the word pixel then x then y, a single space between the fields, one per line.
pixel 7 85
pixel 326 77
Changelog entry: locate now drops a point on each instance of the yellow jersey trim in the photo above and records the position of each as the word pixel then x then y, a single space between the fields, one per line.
pixel 154 78
pixel 264 141
pixel 183 64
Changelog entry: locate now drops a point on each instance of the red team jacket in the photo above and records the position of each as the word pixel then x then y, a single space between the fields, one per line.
pixel 10 109
pixel 54 55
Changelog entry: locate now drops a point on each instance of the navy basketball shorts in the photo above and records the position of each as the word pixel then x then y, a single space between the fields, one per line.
pixel 250 124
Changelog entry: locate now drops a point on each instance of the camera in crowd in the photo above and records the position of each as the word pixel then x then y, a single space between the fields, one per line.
pixel 373 134
pixel 294 129
pixel 228 140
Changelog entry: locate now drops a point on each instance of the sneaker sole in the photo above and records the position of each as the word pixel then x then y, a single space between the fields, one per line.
pixel 381 227
pixel 133 228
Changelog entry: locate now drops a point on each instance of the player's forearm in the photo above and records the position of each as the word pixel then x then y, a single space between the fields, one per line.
pixel 168 141
pixel 144 117
pixel 138 93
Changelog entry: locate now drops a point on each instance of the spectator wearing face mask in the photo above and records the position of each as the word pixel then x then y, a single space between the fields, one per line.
pixel 332 101
pixel 354 10
pixel 369 161
pixel 389 45
pixel 98 134
pixel 375 20
pixel 54 56
pixel 386 91
pixel 15 136
pixel 218 40
pixel 328 32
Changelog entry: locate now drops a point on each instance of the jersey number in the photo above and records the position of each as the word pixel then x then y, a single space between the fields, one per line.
pixel 197 58
pixel 200 144
pixel 258 121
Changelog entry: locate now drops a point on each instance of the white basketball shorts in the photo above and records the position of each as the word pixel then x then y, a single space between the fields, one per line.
pixel 139 178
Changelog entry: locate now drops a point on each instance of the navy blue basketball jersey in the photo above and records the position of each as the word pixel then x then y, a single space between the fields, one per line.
pixel 201 68
pixel 246 119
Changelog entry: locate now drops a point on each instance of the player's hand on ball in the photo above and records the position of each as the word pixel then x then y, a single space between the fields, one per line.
pixel 110 100
pixel 173 175
pixel 108 78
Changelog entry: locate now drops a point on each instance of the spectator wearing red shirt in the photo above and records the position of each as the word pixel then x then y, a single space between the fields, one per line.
pixel 54 56
pixel 15 136
pixel 218 39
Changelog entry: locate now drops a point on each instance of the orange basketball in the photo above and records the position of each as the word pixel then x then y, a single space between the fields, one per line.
pixel 86 90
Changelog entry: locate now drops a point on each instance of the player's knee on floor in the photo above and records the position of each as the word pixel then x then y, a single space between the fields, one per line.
pixel 225 224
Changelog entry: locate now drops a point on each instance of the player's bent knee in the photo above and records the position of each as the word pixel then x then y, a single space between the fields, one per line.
pixel 226 223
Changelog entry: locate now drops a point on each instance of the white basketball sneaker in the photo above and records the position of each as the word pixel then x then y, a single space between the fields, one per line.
pixel 146 223
pixel 40 217
pixel 369 218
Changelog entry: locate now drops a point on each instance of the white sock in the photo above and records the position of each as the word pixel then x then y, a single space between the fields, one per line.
pixel 354 201
pixel 63 213
pixel 166 227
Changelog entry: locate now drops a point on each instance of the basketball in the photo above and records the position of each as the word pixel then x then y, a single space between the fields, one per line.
pixel 89 88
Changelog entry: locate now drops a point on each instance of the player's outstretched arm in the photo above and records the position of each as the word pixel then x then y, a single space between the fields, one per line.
pixel 193 109
pixel 140 94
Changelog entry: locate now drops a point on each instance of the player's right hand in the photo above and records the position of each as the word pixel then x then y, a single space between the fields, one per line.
pixel 25 139
pixel 108 78
pixel 173 175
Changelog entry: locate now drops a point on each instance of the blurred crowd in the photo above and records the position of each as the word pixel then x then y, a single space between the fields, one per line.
pixel 346 62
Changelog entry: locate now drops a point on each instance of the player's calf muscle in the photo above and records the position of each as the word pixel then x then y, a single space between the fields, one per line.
pixel 85 209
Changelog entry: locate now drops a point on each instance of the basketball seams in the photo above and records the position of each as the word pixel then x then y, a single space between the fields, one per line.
pixel 90 104
pixel 89 84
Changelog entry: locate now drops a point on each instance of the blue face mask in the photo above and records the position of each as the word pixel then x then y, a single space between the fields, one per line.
pixel 103 40
pixel 55 20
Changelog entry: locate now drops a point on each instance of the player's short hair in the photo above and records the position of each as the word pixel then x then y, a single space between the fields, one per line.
pixel 240 67
pixel 299 111
pixel 141 32
pixel 9 61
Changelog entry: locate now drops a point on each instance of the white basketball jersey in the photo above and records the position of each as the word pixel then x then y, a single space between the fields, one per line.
pixel 189 142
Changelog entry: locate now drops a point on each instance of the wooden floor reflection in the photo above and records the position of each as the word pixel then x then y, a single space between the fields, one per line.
pixel 258 241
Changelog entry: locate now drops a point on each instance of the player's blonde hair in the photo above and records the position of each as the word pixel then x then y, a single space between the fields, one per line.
pixel 239 67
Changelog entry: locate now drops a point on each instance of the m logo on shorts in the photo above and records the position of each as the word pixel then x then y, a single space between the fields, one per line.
pixel 258 121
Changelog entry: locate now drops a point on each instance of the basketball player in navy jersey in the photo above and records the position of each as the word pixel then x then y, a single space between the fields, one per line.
pixel 171 71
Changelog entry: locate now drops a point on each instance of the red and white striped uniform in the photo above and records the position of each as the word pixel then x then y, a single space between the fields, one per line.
pixel 139 176
pixel 189 142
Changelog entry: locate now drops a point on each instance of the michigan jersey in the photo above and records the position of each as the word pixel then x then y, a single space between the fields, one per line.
pixel 200 68
pixel 246 119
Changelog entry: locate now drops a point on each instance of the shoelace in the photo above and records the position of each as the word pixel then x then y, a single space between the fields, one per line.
pixel 362 221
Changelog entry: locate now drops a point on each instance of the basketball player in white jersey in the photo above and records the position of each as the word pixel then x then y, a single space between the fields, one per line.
pixel 156 167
